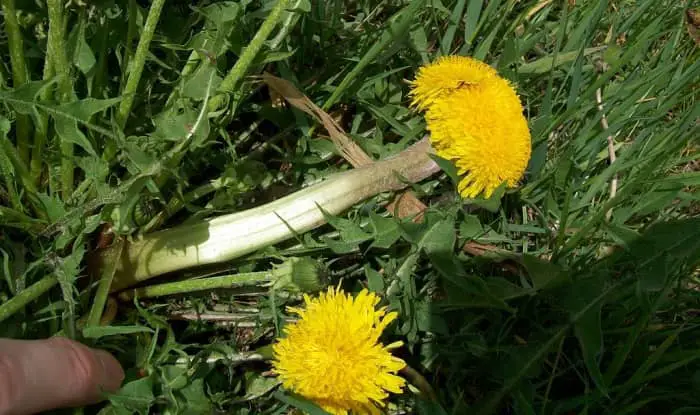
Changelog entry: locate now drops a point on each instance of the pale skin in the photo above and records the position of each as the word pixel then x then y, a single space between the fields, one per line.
pixel 40 375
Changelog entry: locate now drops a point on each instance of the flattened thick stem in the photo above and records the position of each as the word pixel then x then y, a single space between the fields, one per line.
pixel 231 236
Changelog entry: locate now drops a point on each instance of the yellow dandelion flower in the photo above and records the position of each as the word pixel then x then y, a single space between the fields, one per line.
pixel 333 357
pixel 476 120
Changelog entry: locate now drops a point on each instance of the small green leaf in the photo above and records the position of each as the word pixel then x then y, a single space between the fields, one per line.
pixel 386 231
pixel 448 167
pixel 470 227
pixel 134 397
pixel 375 280
pixel 493 203
pixel 196 86
pixel 83 57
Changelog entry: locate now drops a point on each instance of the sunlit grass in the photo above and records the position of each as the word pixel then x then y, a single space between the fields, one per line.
pixel 564 294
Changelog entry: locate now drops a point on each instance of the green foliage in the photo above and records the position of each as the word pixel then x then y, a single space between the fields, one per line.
pixel 569 300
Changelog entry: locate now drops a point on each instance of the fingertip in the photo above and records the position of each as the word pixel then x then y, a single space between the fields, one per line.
pixel 112 373
pixel 55 373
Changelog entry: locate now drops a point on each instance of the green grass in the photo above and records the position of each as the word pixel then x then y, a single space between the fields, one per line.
pixel 141 119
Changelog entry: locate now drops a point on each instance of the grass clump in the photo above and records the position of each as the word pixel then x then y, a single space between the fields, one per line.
pixel 575 292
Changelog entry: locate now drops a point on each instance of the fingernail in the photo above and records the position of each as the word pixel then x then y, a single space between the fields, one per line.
pixel 112 372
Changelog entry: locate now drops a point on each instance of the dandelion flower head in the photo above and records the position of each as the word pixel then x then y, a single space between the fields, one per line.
pixel 476 120
pixel 333 357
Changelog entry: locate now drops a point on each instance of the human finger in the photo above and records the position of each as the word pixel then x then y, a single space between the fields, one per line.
pixel 38 375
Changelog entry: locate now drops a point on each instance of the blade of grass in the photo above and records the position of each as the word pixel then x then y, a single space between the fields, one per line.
pixel 485 45
pixel 472 18
pixel 492 403
pixel 636 378
pixel 396 30
pixel 452 26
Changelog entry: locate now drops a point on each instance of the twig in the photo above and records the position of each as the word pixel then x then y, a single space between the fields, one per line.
pixel 611 147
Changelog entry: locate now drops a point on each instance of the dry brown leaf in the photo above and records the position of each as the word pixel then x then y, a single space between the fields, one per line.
pixel 405 204
pixel 349 150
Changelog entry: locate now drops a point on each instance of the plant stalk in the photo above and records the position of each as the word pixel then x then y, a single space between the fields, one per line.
pixel 57 51
pixel 240 68
pixel 26 296
pixel 231 236
pixel 200 284
pixel 130 34
pixel 100 299
pixel 42 127
pixel 136 65
pixel 19 73
pixel 294 274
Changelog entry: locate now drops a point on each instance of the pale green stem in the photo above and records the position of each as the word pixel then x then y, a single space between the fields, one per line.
pixel 201 284
pixel 239 70
pixel 289 20
pixel 42 127
pixel 105 281
pixel 294 274
pixel 130 34
pixel 26 296
pixel 19 73
pixel 57 51
pixel 136 65
pixel 231 359
pixel 231 236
